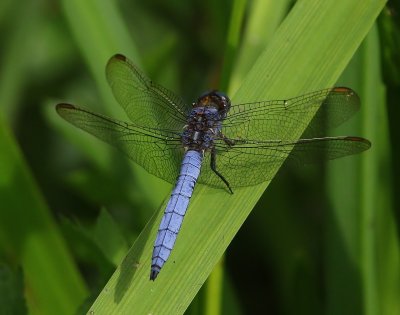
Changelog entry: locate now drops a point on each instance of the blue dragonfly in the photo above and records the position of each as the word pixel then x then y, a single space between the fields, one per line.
pixel 212 142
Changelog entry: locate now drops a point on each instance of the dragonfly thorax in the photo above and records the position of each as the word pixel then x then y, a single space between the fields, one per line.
pixel 204 123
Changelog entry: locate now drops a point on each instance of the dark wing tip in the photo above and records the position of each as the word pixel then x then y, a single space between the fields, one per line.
pixel 62 106
pixel 345 90
pixel 115 59
pixel 342 89
pixel 366 142
pixel 119 57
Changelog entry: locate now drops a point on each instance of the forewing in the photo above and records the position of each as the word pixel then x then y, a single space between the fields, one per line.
pixel 274 120
pixel 146 103
pixel 159 151
pixel 252 162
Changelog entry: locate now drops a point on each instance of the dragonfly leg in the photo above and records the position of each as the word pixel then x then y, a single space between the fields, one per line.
pixel 228 141
pixel 214 168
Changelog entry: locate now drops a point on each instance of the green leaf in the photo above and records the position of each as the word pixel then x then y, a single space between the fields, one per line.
pixel 308 52
pixel 263 20
pixel 28 234
pixel 104 35
pixel 366 278
pixel 109 238
pixel 12 299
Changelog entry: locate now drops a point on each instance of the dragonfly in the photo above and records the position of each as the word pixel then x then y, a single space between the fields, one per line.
pixel 213 141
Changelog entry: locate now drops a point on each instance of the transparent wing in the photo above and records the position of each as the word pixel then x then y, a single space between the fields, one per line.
pixel 252 162
pixel 146 103
pixel 262 138
pixel 159 151
pixel 274 119
pixel 259 134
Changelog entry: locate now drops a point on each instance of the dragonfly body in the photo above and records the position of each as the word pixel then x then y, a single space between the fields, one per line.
pixel 175 210
pixel 234 145
pixel 204 124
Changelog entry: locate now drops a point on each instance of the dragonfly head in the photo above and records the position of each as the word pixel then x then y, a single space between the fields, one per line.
pixel 214 99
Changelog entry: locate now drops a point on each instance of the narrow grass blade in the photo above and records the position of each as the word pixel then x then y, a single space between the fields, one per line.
pixel 380 247
pixel 29 235
pixel 362 244
pixel 262 21
pixel 104 35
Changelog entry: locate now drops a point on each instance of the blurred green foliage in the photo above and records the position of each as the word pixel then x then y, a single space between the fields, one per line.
pixel 326 238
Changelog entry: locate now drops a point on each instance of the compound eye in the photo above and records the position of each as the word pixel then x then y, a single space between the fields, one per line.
pixel 214 99
pixel 224 101
pixel 221 95
pixel 204 95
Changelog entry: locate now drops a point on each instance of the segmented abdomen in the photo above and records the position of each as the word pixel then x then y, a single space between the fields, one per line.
pixel 175 210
